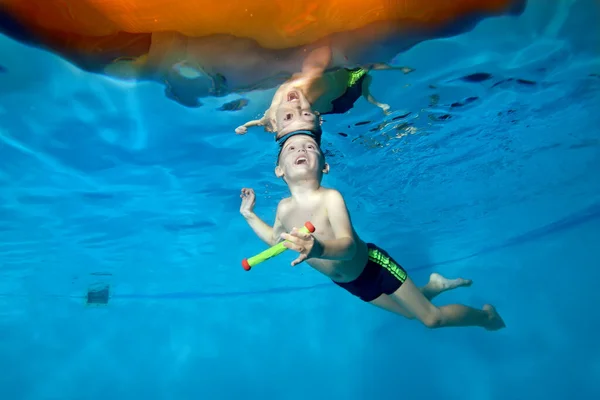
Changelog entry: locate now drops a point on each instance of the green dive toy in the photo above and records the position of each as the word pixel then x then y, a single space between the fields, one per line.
pixel 272 251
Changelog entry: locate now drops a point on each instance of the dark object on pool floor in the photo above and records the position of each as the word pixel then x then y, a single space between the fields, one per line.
pixel 401 116
pixel 96 195
pixel 234 105
pixel 3 69
pixel 330 154
pixel 477 77
pixel 362 123
pixel 343 134
pixel 442 117
pixel 525 82
pixel 434 99
pixel 518 80
pixel 98 294
pixel 464 102
pixel 102 273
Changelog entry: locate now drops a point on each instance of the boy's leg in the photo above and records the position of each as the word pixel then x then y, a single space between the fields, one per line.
pixel 387 303
pixel 413 301
pixel 386 67
pixel 437 284
pixel 366 93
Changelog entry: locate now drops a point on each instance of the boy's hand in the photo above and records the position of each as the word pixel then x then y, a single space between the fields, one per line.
pixel 241 130
pixel 303 243
pixel 248 201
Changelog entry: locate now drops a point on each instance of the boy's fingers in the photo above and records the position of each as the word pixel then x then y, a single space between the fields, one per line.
pixel 293 246
pixel 298 260
pixel 290 236
pixel 298 234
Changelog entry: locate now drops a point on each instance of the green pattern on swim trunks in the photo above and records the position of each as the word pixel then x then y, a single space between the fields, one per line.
pixel 355 75
pixel 386 262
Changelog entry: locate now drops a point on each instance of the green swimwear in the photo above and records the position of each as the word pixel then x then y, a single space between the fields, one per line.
pixel 345 102
pixel 382 275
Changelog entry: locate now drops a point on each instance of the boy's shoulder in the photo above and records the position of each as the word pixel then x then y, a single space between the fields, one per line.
pixel 332 194
pixel 327 195
pixel 284 205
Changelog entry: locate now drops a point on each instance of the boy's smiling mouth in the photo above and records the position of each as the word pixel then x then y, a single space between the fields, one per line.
pixel 301 160
pixel 293 96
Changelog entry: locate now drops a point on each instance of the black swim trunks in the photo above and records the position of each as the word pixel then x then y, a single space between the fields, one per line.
pixel 345 102
pixel 382 275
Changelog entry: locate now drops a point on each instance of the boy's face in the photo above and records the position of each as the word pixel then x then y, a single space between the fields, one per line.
pixel 294 113
pixel 301 158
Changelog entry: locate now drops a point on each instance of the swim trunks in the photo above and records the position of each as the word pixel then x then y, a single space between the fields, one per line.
pixel 345 102
pixel 382 275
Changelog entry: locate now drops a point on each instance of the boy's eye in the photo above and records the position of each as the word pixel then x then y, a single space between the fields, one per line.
pixel 310 146
pixel 291 148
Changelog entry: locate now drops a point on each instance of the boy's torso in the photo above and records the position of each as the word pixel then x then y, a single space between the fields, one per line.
pixel 292 214
pixel 322 92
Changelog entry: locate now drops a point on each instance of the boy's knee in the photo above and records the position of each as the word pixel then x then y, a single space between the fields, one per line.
pixel 433 319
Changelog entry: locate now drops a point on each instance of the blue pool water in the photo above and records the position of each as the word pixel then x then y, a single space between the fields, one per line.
pixel 492 175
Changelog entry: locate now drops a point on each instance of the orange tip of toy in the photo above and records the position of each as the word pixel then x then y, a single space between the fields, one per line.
pixel 245 264
pixel 309 226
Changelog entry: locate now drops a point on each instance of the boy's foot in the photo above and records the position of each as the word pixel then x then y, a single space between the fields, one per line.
pixel 495 322
pixel 440 283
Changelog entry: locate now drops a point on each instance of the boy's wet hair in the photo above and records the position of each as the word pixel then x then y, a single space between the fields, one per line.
pixel 313 133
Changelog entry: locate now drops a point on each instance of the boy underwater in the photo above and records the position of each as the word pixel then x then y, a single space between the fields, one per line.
pixel 335 248
pixel 332 91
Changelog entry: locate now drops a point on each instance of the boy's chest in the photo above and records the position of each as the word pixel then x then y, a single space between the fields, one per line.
pixel 298 216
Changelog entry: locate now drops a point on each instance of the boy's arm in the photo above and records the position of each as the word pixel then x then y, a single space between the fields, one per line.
pixel 366 93
pixel 317 62
pixel 269 235
pixel 343 247
pixel 243 129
